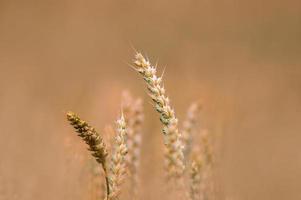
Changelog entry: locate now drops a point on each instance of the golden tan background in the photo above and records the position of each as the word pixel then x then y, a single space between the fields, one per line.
pixel 240 58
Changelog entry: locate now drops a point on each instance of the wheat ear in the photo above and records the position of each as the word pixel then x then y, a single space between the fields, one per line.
pixel 195 179
pixel 207 148
pixel 189 126
pixel 133 111
pixel 93 140
pixel 118 163
pixel 172 138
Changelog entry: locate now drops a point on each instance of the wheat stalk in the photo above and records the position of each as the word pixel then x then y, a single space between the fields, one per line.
pixel 133 111
pixel 172 138
pixel 189 126
pixel 118 162
pixel 93 140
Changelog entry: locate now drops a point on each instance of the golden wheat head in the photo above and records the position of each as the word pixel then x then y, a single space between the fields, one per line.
pixel 90 136
pixel 118 163
pixel 172 138
pixel 133 111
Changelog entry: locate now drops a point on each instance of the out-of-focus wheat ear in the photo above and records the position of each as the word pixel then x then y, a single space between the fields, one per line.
pixel 207 147
pixel 189 127
pixel 126 104
pixel 118 163
pixel 133 111
pixel 138 118
pixel 209 189
pixel 174 158
pixel 195 177
pixel 93 140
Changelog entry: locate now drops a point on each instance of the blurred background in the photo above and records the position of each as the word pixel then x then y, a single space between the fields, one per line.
pixel 241 59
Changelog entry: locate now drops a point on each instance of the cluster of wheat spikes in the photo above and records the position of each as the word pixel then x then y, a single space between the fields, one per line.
pixel 188 154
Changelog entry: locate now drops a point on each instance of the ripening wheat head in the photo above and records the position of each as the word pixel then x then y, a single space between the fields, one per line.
pixel 91 137
pixel 118 163
pixel 133 111
pixel 94 141
pixel 172 138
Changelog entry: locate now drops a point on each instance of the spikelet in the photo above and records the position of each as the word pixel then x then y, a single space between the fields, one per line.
pixel 189 126
pixel 133 111
pixel 118 163
pixel 172 138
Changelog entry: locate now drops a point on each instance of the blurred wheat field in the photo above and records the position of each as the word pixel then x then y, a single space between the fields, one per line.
pixel 240 59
